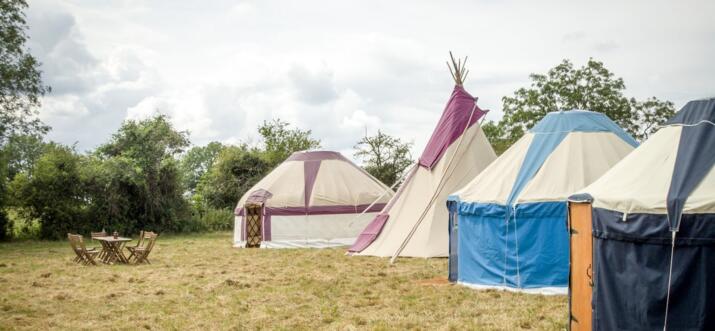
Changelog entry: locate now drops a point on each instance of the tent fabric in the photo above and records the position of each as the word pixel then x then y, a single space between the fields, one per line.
pixel 512 217
pixel 665 187
pixel 373 230
pixel 692 162
pixel 577 120
pixel 451 125
pixel 496 181
pixel 630 266
pixel 551 131
pixel 583 156
pixel 308 185
pixel 637 184
pixel 457 151
pixel 540 148
pixel 597 152
pixel 520 259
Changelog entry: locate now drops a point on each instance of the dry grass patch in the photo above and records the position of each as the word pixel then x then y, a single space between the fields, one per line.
pixel 200 282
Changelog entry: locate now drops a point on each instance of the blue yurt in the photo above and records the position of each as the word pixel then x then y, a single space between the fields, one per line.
pixel 649 256
pixel 508 225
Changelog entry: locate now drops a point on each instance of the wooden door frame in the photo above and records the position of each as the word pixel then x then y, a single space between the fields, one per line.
pixel 577 209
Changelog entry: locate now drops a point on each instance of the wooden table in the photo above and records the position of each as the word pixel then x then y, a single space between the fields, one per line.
pixel 112 248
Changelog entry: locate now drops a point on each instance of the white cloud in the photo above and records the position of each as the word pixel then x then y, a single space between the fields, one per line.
pixel 219 69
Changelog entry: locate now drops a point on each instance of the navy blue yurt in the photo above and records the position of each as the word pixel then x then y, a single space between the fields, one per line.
pixel 648 255
pixel 511 219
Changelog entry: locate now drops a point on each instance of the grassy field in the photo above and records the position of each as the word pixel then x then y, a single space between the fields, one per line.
pixel 200 282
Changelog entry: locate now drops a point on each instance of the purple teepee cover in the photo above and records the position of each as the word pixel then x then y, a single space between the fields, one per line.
pixel 450 126
pixel 449 129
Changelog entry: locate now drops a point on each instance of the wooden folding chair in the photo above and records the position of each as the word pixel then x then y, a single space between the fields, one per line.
pixel 140 253
pixel 103 252
pixel 75 248
pixel 131 249
pixel 84 256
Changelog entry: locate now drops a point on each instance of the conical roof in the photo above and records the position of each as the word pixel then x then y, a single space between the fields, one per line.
pixel 317 182
pixel 671 173
pixel 561 154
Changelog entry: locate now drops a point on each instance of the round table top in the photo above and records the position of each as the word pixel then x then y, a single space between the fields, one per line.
pixel 111 238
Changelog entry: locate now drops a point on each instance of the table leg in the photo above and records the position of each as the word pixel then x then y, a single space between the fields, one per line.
pixel 113 252
pixel 120 253
pixel 104 255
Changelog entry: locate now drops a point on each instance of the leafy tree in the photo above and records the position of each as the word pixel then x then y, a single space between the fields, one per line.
pixel 497 136
pixel 280 141
pixel 22 151
pixel 197 161
pixel 20 90
pixel 20 77
pixel 591 87
pixel 114 188
pixel 385 157
pixel 53 194
pixel 6 224
pixel 236 169
pixel 140 161
pixel 19 154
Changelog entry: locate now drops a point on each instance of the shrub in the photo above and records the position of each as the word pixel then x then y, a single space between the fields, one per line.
pixel 218 219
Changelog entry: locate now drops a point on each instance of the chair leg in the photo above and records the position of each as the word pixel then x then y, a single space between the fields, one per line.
pixel 140 257
pixel 91 261
pixel 131 255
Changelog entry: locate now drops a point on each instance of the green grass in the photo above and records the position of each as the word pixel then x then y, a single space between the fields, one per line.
pixel 200 282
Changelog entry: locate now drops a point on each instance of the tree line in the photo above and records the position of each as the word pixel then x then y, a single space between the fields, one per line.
pixel 148 176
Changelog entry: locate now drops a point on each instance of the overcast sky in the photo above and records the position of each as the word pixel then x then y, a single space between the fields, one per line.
pixel 339 68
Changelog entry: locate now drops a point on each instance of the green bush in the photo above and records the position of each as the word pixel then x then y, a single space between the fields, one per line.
pixel 218 219
pixel 206 220
pixel 52 193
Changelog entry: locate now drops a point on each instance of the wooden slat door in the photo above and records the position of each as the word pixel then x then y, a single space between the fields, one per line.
pixel 581 275
pixel 254 231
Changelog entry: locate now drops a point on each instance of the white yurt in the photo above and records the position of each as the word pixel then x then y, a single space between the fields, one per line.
pixel 313 199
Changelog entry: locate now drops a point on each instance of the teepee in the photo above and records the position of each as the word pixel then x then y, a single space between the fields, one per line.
pixel 313 199
pixel 414 222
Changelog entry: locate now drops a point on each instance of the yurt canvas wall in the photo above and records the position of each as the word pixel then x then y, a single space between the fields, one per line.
pixel 414 222
pixel 512 217
pixel 646 233
pixel 313 199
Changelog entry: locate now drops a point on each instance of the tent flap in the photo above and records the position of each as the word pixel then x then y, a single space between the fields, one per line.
pixel 451 125
pixel 371 232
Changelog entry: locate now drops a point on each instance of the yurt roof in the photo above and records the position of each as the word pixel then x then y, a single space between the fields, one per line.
pixel 317 179
pixel 671 171
pixel 561 154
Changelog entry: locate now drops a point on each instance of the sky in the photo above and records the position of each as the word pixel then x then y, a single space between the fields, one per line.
pixel 342 69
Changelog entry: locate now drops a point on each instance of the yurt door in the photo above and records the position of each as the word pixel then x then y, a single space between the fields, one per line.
pixel 254 219
pixel 581 275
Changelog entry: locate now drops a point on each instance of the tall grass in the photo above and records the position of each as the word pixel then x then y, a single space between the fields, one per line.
pixel 201 282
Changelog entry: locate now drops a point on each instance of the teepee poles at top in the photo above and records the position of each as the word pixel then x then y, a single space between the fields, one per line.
pixel 457 69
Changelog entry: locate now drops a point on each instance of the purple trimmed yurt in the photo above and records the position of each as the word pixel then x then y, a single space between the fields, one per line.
pixel 313 199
